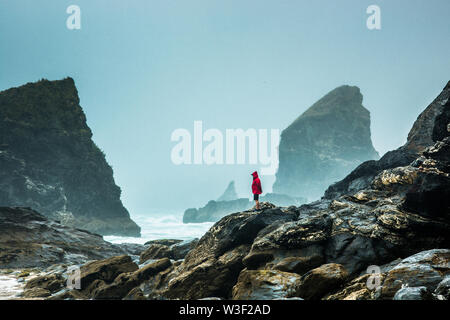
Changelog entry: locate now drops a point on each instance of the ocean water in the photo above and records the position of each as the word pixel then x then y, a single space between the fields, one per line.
pixel 9 286
pixel 168 226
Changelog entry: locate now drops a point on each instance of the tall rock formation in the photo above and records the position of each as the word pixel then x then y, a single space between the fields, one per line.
pixel 324 144
pixel 49 162
pixel 229 193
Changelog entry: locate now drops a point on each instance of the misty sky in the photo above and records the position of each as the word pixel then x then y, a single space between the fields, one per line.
pixel 145 68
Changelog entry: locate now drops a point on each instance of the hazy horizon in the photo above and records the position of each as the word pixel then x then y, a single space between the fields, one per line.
pixel 146 68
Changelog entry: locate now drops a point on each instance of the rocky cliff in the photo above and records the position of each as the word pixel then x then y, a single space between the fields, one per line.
pixel 49 162
pixel 324 144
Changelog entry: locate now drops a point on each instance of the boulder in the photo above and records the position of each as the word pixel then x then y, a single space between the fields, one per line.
pixel 28 239
pixel 411 293
pixel 155 251
pixel 174 251
pixel 36 293
pixel 424 269
pixel 106 270
pixel 356 289
pixel 442 291
pixel 265 285
pixel 317 282
pixel 417 277
pixel 125 282
pixel 299 265
pixel 51 282
pixel 213 277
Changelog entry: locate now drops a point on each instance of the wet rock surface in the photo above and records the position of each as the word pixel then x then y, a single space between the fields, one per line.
pixel 265 284
pixel 175 251
pixel 28 239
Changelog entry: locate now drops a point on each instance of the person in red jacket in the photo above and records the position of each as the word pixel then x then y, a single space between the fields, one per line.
pixel 256 188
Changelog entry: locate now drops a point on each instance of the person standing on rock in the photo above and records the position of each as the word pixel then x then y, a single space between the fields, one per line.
pixel 256 189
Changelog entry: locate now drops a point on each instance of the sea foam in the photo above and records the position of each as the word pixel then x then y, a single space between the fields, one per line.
pixel 163 227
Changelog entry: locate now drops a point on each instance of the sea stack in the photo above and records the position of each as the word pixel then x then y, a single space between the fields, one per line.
pixel 229 193
pixel 48 161
pixel 324 144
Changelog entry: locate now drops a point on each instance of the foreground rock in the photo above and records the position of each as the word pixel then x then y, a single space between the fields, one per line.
pixel 105 270
pixel 59 172
pixel 317 282
pixel 419 277
pixel 265 285
pixel 324 144
pixel 212 267
pixel 175 251
pixel 114 278
pixel 124 283
pixel 28 239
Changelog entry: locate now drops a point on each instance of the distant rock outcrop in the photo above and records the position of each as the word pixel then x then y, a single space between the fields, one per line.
pixel 324 144
pixel 229 203
pixel 215 210
pixel 229 194
pixel 49 162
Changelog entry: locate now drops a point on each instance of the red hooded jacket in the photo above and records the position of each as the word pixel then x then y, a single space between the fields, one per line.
pixel 256 185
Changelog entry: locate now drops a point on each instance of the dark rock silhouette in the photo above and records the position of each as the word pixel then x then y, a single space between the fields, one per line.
pixel 49 162
pixel 324 144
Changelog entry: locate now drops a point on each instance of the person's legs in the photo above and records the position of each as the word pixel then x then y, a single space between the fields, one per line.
pixel 256 198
